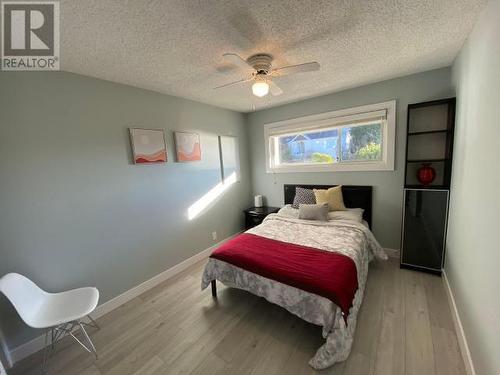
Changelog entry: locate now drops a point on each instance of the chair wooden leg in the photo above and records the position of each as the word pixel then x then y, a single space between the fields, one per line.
pixel 214 289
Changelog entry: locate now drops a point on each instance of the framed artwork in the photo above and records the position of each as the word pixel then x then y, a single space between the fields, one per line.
pixel 187 146
pixel 148 146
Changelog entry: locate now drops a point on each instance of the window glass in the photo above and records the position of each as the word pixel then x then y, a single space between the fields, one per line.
pixel 309 147
pixel 362 142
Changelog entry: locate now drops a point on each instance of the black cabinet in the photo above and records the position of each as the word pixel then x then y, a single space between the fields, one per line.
pixel 424 229
pixel 255 215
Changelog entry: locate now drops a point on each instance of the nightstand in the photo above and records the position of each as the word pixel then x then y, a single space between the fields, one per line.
pixel 255 215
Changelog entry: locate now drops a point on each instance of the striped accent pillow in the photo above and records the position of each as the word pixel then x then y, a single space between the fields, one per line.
pixel 303 196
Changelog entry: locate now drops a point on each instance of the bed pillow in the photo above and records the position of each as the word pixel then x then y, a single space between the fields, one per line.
pixel 288 211
pixel 313 212
pixel 332 196
pixel 303 196
pixel 354 214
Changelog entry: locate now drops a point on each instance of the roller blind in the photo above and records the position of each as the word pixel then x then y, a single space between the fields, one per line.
pixel 355 119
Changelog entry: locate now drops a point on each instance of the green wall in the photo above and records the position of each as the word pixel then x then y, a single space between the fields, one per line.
pixel 473 250
pixel 74 209
pixel 388 185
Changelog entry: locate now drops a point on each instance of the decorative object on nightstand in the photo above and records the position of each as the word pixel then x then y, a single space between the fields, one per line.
pixel 255 215
pixel 427 188
pixel 258 201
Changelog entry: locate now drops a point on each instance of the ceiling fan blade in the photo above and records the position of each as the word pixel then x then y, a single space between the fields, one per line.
pixel 233 83
pixel 237 60
pixel 293 69
pixel 274 88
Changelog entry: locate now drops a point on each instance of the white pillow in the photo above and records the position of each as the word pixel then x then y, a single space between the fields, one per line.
pixel 353 214
pixel 289 211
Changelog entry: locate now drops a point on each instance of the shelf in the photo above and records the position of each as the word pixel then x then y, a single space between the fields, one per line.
pixel 429 132
pixel 431 103
pixel 429 139
pixel 428 187
pixel 426 160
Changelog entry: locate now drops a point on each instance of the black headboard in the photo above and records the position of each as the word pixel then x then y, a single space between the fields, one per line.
pixel 354 197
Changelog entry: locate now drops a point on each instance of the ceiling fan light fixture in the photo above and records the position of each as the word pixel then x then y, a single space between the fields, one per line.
pixel 260 88
pixel 262 72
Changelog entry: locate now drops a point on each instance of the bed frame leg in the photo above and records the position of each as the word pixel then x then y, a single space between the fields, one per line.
pixel 214 289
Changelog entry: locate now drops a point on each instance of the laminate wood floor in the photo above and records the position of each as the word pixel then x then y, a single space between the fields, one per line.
pixel 404 327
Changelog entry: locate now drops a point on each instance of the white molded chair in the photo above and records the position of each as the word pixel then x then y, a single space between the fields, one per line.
pixel 57 313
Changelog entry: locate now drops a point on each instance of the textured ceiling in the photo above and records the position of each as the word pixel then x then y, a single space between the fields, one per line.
pixel 176 47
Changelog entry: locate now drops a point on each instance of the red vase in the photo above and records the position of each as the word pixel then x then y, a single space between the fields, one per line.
pixel 426 174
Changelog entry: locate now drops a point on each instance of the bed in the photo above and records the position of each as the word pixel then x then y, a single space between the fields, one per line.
pixel 316 270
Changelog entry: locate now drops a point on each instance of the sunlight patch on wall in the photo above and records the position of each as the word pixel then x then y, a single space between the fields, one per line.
pixel 210 197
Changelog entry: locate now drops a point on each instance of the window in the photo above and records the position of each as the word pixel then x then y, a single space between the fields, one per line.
pixel 229 158
pixel 356 139
pixel 229 162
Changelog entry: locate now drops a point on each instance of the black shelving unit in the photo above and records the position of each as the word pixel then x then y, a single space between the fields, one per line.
pixel 430 131
pixel 429 139
pixel 425 160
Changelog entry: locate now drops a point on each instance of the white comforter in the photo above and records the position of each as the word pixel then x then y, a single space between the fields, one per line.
pixel 350 238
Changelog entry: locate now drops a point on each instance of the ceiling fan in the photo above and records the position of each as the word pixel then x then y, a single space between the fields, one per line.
pixel 261 72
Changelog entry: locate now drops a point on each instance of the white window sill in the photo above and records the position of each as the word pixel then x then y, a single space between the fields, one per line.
pixel 341 167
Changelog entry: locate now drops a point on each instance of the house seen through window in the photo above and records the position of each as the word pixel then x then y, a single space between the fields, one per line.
pixel 332 145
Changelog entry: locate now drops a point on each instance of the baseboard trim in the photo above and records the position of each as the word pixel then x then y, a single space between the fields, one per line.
pixel 33 346
pixel 392 253
pixel 462 340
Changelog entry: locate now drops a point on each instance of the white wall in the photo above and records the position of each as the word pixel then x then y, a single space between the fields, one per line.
pixel 473 248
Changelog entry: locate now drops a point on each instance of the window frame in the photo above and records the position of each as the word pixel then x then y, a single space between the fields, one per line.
pixel 335 119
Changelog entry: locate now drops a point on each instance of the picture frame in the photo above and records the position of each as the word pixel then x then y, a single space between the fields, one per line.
pixel 187 146
pixel 148 146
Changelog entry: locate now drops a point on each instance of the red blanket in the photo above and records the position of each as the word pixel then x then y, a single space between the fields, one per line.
pixel 330 275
